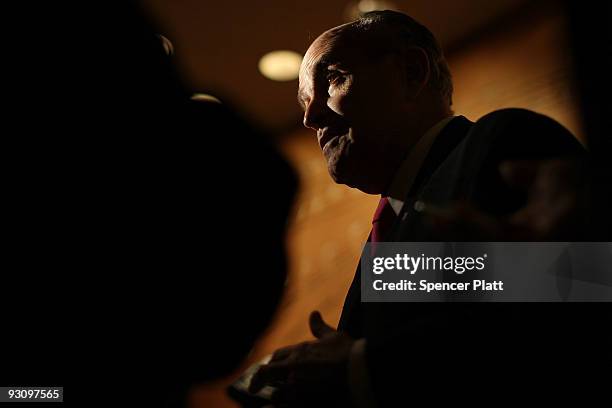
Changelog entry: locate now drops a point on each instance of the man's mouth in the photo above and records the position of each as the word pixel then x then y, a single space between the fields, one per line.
pixel 328 136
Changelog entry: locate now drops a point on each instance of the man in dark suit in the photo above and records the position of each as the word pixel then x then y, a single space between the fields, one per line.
pixel 378 92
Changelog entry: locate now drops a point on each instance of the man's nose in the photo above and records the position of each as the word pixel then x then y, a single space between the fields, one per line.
pixel 315 114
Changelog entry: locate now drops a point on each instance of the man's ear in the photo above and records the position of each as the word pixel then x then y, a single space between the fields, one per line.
pixel 417 69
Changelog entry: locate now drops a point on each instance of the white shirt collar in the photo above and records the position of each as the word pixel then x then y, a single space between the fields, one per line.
pixel 408 170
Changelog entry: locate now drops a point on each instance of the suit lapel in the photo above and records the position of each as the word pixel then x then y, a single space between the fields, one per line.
pixel 446 142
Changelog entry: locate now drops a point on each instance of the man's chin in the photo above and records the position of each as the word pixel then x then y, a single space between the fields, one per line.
pixel 345 178
pixel 339 178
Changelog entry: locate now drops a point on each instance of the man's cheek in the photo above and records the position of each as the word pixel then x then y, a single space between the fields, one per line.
pixel 362 118
pixel 345 105
pixel 337 103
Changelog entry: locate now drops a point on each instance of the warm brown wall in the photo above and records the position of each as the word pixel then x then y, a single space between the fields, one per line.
pixel 525 65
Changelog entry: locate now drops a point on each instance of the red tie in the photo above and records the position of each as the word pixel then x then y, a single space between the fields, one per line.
pixel 382 220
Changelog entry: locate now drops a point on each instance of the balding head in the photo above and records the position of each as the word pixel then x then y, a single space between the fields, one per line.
pixel 393 32
pixel 368 99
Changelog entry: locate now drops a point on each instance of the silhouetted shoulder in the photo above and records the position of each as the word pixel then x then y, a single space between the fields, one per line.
pixel 522 133
pixel 511 135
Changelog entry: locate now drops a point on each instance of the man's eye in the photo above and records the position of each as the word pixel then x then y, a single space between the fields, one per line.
pixel 335 78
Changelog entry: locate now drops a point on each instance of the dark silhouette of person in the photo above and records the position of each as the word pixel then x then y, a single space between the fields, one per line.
pixel 146 229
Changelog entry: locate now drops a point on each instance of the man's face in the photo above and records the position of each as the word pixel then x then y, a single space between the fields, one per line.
pixel 357 105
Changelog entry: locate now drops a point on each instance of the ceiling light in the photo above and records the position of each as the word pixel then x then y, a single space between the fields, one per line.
pixel 357 9
pixel 280 65
pixel 202 97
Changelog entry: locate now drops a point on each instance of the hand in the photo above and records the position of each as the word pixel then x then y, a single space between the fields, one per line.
pixel 313 372
pixel 555 204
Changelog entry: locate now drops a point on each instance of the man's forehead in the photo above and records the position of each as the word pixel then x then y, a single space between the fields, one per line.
pixel 336 46
pixel 329 47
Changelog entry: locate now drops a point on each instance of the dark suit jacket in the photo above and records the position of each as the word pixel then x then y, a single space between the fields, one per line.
pixel 415 343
